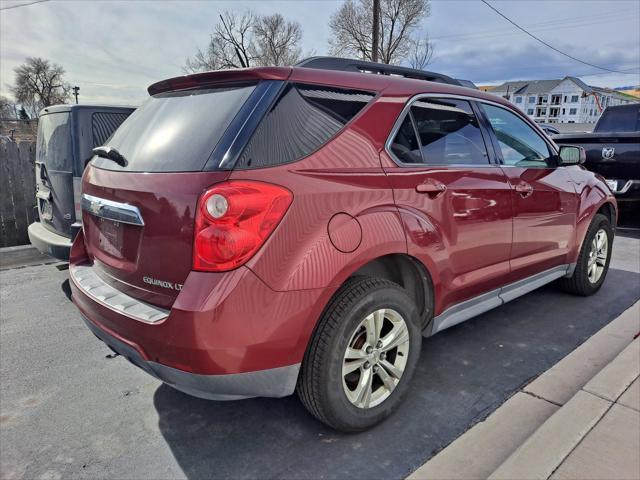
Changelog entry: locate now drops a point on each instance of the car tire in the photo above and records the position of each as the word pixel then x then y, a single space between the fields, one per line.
pixel 591 267
pixel 334 382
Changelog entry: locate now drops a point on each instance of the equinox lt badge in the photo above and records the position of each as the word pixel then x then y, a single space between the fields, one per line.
pixel 162 283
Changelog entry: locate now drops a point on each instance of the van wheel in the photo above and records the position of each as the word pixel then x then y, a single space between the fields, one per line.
pixel 593 260
pixel 362 355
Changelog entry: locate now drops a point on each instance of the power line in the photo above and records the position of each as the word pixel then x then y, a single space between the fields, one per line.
pixel 546 25
pixel 547 45
pixel 626 70
pixel 23 4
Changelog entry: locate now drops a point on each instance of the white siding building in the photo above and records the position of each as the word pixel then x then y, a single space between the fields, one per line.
pixel 568 100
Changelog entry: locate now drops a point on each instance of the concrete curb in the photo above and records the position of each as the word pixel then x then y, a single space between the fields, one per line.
pixel 542 453
pixel 564 379
pixel 478 452
pixel 484 448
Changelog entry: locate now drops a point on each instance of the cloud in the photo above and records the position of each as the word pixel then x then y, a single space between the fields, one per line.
pixel 114 50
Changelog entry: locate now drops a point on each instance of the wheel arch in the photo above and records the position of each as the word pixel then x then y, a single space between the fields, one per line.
pixel 592 200
pixel 609 210
pixel 409 273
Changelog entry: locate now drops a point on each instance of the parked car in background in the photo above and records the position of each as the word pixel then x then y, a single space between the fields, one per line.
pixel 66 137
pixel 260 231
pixel 613 151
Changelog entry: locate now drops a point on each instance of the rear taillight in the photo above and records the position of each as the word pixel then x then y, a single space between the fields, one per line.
pixel 233 220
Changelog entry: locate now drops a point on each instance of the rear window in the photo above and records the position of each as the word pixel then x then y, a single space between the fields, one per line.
pixel 175 131
pixel 53 147
pixel 303 119
pixel 620 120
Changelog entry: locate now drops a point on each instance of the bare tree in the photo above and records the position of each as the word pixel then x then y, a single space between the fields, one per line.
pixel 352 27
pixel 230 45
pixel 421 53
pixel 248 40
pixel 39 84
pixel 276 41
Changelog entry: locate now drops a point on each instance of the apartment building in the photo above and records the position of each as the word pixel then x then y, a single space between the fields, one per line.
pixel 567 100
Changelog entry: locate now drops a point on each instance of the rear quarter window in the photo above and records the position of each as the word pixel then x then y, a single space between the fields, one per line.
pixel 304 118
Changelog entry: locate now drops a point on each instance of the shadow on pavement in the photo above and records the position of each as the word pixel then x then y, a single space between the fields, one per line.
pixel 66 289
pixel 464 374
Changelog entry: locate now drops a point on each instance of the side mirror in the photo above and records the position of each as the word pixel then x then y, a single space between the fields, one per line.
pixel 571 155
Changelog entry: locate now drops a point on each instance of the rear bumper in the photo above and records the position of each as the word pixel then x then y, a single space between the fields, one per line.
pixel 276 382
pixel 226 335
pixel 48 242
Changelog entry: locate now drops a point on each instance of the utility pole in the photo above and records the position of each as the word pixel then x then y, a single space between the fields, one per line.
pixel 375 34
pixel 75 92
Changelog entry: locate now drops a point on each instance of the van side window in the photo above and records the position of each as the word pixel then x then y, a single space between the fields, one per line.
pixel 103 124
pixel 304 118
pixel 449 132
pixel 520 145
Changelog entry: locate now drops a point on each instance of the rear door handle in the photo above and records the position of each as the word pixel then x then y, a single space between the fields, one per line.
pixel 431 187
pixel 524 189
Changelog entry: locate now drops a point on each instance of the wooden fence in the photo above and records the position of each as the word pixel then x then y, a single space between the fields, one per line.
pixel 17 191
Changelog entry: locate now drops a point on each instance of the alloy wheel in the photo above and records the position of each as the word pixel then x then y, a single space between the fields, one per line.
pixel 375 358
pixel 597 256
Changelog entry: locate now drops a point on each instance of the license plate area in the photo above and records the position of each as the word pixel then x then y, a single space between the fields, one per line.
pixel 110 237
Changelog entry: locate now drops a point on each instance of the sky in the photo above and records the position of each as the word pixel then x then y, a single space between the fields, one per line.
pixel 114 49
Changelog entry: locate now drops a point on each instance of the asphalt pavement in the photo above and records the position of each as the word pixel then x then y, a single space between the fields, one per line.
pixel 70 410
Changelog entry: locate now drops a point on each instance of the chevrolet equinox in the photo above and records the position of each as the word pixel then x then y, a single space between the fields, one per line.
pixel 261 231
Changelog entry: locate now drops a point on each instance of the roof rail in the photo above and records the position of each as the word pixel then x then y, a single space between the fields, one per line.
pixel 361 66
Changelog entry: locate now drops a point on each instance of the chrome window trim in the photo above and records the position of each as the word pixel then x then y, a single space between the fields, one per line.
pixel 110 210
pixel 415 98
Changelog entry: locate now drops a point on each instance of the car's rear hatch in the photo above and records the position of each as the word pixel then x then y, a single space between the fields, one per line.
pixel 54 172
pixel 139 219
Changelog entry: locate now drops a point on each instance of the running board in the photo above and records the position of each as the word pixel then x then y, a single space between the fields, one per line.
pixel 490 300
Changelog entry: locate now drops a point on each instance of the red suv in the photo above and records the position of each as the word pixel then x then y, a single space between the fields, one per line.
pixel 260 231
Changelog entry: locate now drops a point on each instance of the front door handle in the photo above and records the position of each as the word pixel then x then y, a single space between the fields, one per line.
pixel 524 189
pixel 431 187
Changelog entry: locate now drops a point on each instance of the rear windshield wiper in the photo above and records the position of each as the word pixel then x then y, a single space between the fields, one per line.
pixel 112 154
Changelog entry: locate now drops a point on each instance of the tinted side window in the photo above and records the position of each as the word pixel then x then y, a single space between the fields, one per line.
pixel 619 120
pixel 449 133
pixel 405 144
pixel 103 124
pixel 520 145
pixel 303 119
